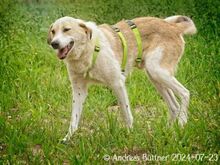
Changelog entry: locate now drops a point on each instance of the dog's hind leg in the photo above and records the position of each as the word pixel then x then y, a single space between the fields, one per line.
pixel 169 98
pixel 121 93
pixel 79 96
pixel 169 82
pixel 184 95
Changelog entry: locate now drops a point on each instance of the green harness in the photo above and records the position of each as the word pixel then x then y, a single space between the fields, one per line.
pixel 125 46
pixel 96 52
pixel 94 57
pixel 138 39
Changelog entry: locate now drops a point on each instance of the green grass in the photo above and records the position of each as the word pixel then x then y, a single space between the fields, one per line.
pixel 35 95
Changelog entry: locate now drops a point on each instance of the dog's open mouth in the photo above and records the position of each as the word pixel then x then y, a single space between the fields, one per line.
pixel 62 53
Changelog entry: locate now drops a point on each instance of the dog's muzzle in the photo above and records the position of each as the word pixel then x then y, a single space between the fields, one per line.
pixel 63 52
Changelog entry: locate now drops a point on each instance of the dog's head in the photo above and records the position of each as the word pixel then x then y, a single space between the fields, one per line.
pixel 69 37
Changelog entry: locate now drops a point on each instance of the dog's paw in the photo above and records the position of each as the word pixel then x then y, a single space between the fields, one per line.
pixel 182 120
pixel 63 141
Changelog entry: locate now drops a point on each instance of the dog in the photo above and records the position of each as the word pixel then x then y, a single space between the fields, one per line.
pixel 75 42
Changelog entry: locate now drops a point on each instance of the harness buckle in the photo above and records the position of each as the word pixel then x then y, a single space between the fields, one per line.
pixel 97 48
pixel 131 24
pixel 115 29
pixel 138 59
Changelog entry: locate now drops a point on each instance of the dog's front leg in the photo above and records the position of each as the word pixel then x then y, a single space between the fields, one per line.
pixel 79 96
pixel 121 93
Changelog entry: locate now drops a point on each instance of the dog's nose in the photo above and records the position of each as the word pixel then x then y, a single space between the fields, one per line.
pixel 55 44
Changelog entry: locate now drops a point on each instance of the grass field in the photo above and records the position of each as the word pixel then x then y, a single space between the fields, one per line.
pixel 35 95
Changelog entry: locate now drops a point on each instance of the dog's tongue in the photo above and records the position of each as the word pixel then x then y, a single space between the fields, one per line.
pixel 62 52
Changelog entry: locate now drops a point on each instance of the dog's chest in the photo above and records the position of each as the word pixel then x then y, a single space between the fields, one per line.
pixel 77 68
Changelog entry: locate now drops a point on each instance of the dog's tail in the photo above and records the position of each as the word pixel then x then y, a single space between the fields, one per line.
pixel 185 24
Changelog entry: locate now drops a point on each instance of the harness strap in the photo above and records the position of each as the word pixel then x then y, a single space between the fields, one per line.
pixel 94 57
pixel 138 39
pixel 125 48
pixel 96 52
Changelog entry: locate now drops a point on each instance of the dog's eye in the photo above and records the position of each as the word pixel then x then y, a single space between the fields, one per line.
pixel 53 31
pixel 66 29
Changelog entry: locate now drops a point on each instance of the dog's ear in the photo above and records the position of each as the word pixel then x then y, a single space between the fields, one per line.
pixel 87 30
pixel 49 37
